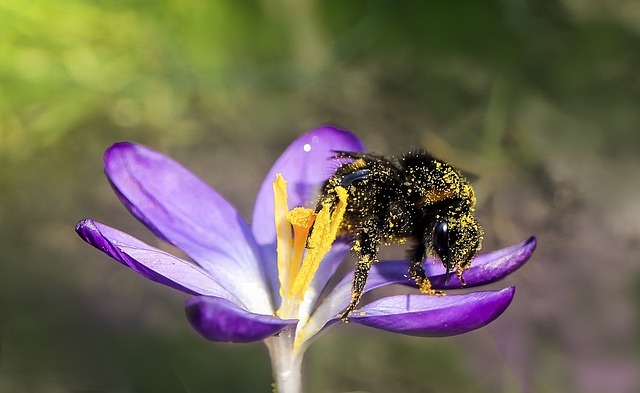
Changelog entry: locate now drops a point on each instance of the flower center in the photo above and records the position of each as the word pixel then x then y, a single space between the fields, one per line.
pixel 300 253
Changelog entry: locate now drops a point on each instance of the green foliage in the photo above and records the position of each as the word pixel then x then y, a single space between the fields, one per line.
pixel 139 64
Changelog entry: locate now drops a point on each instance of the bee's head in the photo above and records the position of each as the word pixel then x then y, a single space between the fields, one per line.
pixel 457 238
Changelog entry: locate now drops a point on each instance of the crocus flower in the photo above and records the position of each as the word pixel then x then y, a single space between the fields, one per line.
pixel 260 282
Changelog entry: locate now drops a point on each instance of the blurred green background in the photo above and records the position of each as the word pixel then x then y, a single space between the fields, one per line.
pixel 541 99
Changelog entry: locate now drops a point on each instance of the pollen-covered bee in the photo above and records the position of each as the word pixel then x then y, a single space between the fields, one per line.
pixel 415 198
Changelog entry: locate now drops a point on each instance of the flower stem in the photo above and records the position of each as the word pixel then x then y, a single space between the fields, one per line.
pixel 286 362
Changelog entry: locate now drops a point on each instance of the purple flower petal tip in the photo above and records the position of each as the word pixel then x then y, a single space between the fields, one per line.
pixel 89 231
pixel 150 262
pixel 434 316
pixel 92 233
pixel 118 146
pixel 217 319
pixel 486 268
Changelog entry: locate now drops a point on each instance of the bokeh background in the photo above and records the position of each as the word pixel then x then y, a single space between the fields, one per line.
pixel 540 99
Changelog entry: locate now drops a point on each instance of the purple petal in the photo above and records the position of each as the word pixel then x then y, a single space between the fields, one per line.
pixel 434 316
pixel 330 264
pixel 327 268
pixel 217 319
pixel 305 165
pixel 180 208
pixel 150 262
pixel 485 269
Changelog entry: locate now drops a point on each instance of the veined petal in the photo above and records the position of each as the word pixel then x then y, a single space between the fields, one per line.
pixel 217 319
pixel 180 208
pixel 434 316
pixel 151 262
pixel 485 269
pixel 305 165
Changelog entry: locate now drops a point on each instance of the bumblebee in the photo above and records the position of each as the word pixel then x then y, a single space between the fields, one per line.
pixel 414 198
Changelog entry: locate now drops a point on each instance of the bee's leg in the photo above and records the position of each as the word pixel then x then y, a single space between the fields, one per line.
pixel 366 248
pixel 417 271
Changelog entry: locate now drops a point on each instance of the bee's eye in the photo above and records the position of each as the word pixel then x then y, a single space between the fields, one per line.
pixel 355 176
pixel 441 239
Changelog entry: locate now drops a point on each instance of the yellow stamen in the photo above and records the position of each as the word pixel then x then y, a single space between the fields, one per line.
pixel 301 220
pixel 325 231
pixel 283 232
pixel 295 269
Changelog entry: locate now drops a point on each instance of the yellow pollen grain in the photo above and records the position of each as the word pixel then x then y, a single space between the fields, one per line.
pixel 434 196
pixel 325 231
